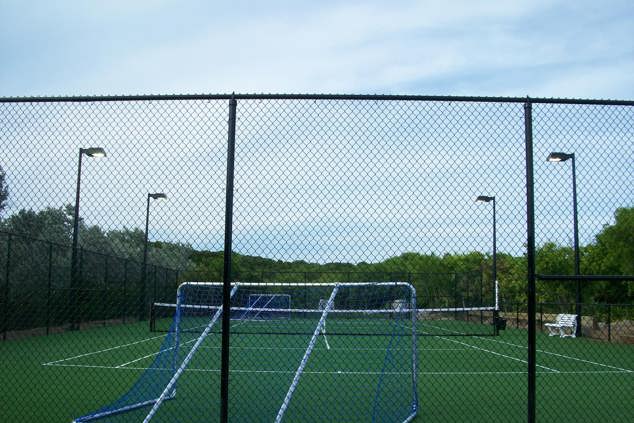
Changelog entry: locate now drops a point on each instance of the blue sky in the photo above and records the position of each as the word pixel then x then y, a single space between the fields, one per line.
pixel 537 48
pixel 356 182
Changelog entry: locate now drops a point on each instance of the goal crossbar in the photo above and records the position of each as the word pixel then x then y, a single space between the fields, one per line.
pixel 298 310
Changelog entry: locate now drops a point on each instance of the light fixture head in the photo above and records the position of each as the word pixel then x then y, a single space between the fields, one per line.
pixel 558 156
pixel 94 152
pixel 484 199
pixel 157 195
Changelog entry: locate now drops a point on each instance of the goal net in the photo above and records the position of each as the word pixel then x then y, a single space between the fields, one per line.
pixel 298 352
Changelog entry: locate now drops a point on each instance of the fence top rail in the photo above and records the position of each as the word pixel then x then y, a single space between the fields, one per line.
pixel 322 284
pixel 516 303
pixel 585 277
pixel 375 97
pixel 361 272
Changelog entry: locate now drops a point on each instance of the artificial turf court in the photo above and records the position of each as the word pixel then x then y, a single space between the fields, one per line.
pixel 460 378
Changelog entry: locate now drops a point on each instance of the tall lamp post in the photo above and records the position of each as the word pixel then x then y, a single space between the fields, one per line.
pixel 487 199
pixel 150 196
pixel 74 262
pixel 556 157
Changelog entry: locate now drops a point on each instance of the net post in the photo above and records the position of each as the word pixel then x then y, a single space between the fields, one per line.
pixel 414 308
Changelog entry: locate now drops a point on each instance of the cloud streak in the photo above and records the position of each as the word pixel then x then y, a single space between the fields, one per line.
pixel 486 48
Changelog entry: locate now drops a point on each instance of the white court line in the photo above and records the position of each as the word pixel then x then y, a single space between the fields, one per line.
pixel 344 372
pixel 332 348
pixel 546 352
pixel 152 354
pixel 104 350
pixel 561 355
pixel 282 348
pixel 489 351
pixel 497 353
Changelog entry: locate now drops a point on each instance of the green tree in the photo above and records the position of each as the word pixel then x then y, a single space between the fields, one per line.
pixel 613 250
pixel 612 253
pixel 50 224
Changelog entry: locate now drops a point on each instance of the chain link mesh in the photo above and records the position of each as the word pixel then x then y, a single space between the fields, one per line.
pixel 327 190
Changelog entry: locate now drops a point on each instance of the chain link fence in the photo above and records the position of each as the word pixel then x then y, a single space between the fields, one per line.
pixel 37 287
pixel 364 280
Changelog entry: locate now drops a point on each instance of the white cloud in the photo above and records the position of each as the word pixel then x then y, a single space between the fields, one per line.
pixel 431 47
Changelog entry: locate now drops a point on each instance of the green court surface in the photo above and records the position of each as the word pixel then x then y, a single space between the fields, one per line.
pixel 460 378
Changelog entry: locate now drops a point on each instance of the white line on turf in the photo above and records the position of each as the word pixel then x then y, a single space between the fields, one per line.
pixel 488 351
pixel 333 348
pixel 152 354
pixel 547 352
pixel 592 372
pixel 560 355
pixel 103 350
pixel 497 353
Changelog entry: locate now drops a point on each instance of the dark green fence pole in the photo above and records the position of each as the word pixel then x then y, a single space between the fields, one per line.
pixel 530 260
pixel 153 283
pixel 165 289
pixel 5 317
pixel 609 323
pixel 48 287
pixel 517 315
pixel 124 298
pixel 226 278
pixel 104 301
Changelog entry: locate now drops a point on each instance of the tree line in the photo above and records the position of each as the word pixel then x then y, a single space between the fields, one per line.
pixel 610 253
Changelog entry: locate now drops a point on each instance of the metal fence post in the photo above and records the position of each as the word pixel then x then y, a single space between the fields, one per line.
pixel 154 287
pixel 609 322
pixel 75 291
pixel 104 300
pixel 48 287
pixel 123 296
pixel 530 260
pixel 517 315
pixel 226 282
pixel 5 317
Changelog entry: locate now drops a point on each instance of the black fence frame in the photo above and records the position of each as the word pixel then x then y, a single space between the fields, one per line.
pixel 127 285
pixel 527 102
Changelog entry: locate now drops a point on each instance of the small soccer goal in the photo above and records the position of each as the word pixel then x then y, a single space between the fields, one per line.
pixel 299 352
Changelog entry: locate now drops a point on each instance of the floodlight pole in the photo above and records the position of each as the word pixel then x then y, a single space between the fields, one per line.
pixel 74 262
pixel 562 157
pixel 575 229
pixel 487 199
pixel 145 252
